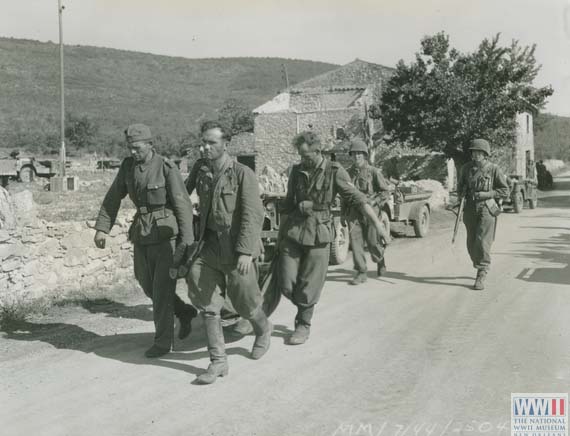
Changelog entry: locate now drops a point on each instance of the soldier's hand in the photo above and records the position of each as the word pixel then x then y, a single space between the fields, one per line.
pixel 243 264
pixel 179 254
pixel 99 239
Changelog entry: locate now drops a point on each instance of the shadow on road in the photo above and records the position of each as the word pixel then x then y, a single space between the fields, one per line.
pixel 555 201
pixel 114 309
pixel 344 275
pixel 555 249
pixel 126 347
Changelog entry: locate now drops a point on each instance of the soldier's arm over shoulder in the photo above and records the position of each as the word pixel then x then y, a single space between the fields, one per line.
pixel 180 201
pixel 112 201
pixel 252 212
pixel 500 186
pixel 380 181
pixel 191 180
pixel 288 204
pixel 345 188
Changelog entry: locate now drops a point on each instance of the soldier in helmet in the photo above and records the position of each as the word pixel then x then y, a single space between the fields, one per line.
pixel 370 182
pixel 163 221
pixel 481 183
pixel 305 233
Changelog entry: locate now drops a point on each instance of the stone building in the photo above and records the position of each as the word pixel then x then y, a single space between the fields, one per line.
pixel 324 104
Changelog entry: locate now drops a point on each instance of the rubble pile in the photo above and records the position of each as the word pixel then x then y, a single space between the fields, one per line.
pixel 271 182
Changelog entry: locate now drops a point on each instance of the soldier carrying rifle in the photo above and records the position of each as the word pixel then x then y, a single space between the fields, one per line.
pixel 480 184
pixel 370 182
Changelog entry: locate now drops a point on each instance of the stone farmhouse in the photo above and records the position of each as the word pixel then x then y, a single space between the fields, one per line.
pixel 324 104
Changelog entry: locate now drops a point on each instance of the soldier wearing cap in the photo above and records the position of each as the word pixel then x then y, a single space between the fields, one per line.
pixel 481 183
pixel 161 230
pixel 305 233
pixel 231 217
pixel 370 182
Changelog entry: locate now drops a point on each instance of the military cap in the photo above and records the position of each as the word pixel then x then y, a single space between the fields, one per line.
pixel 358 144
pixel 480 144
pixel 138 132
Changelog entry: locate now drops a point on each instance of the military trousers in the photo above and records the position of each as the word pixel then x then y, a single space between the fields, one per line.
pixel 302 271
pixel 209 281
pixel 151 264
pixel 480 226
pixel 361 232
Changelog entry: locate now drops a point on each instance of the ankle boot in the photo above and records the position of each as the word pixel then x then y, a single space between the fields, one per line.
pixel 217 349
pixel 302 325
pixel 381 268
pixel 263 329
pixel 479 284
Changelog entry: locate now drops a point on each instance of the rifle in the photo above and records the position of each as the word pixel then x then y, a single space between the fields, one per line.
pixel 459 212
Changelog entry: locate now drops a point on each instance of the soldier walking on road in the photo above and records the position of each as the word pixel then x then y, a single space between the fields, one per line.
pixel 481 183
pixel 305 233
pixel 370 182
pixel 163 219
pixel 231 217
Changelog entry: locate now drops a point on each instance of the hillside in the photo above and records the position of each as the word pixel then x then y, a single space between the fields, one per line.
pixel 116 87
pixel 552 137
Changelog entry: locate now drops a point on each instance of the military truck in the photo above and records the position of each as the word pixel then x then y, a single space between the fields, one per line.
pixel 25 169
pixel 522 190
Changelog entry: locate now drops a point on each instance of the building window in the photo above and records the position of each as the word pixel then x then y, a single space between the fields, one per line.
pixel 528 123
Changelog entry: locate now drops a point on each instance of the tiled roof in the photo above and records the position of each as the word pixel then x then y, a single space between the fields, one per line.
pixel 355 75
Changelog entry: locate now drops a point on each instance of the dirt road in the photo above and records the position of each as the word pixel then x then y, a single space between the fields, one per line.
pixel 415 353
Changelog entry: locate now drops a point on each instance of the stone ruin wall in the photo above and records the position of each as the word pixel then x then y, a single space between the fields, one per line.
pixel 43 259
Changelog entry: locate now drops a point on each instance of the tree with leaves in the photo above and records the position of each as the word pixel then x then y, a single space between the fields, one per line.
pixel 445 98
pixel 80 131
pixel 236 115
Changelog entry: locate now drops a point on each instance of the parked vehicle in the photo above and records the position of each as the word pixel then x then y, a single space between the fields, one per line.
pixel 26 169
pixel 522 191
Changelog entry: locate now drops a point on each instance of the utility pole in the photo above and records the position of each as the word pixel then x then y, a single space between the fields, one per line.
pixel 62 92
pixel 285 75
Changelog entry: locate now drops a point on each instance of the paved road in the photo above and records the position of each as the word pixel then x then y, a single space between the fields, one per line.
pixel 415 353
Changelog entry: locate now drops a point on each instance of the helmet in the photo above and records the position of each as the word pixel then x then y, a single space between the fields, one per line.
pixel 480 144
pixel 358 145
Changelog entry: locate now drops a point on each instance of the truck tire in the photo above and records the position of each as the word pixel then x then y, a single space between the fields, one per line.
pixel 385 220
pixel 26 174
pixel 518 202
pixel 421 225
pixel 339 245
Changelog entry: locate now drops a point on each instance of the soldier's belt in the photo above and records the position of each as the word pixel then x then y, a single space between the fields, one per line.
pixel 143 210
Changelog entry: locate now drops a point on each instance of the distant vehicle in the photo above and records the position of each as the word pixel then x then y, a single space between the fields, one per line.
pixel 26 169
pixel 108 164
pixel 522 190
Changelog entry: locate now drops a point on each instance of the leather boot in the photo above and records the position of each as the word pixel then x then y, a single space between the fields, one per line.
pixel 381 268
pixel 243 327
pixel 480 280
pixel 217 349
pixel 263 329
pixel 359 277
pixel 302 326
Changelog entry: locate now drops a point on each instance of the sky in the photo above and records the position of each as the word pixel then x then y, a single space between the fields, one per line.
pixel 380 31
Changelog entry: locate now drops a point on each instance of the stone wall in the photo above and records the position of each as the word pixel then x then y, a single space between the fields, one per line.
pixel 274 132
pixel 43 259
